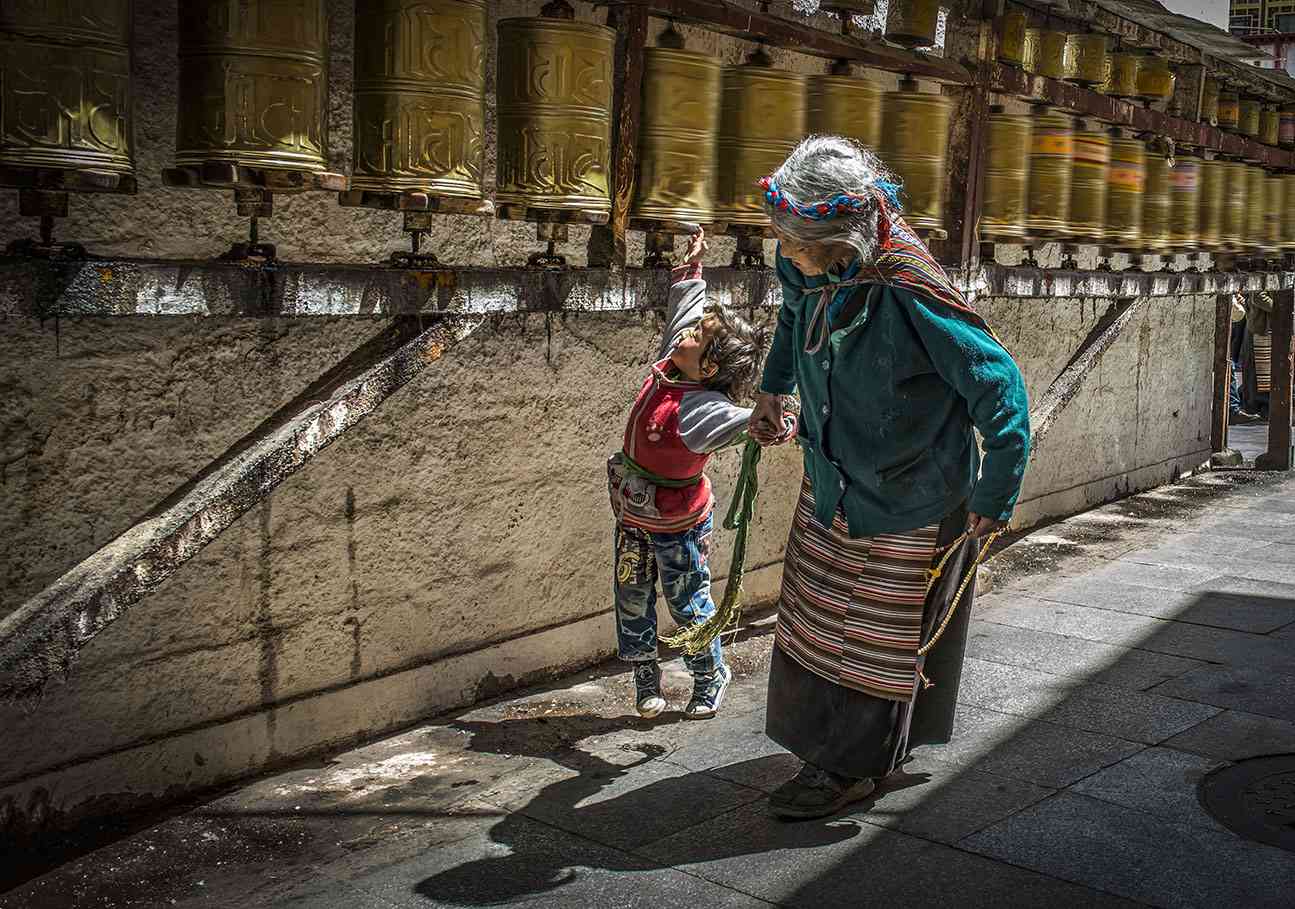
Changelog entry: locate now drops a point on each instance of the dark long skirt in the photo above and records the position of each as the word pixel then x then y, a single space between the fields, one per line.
pixel 858 735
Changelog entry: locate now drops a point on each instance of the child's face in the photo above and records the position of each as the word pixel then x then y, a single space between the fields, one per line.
pixel 690 354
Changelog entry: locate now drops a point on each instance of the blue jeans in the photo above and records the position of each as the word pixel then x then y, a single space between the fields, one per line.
pixel 681 561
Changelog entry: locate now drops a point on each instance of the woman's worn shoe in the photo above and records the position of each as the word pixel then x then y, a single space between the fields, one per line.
pixel 708 693
pixel 647 689
pixel 817 793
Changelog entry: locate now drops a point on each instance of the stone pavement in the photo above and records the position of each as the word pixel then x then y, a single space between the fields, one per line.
pixel 1122 655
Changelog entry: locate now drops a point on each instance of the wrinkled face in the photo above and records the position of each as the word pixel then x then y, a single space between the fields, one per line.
pixel 813 258
pixel 690 355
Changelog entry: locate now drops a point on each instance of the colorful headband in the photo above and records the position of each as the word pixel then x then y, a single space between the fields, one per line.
pixel 830 208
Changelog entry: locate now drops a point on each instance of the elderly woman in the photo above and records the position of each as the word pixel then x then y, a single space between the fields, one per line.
pixel 894 371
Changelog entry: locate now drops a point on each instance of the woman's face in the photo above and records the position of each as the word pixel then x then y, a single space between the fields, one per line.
pixel 813 258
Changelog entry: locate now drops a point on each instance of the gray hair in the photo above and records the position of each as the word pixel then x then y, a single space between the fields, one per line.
pixel 819 168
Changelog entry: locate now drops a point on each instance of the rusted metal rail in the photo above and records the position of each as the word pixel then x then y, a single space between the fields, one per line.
pixel 40 640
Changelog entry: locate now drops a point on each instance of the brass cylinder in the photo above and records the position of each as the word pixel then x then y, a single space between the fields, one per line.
pixel 1248 121
pixel 1011 38
pixel 554 108
pixel 1007 162
pixel 1122 79
pixel 1229 110
pixel 1269 126
pixel 1210 102
pixel 1275 197
pixel 1236 190
pixel 1288 211
pixel 678 136
pixel 913 144
pixel 254 83
pixel 1155 78
pixel 1210 219
pixel 1155 204
pixel 1091 62
pixel 845 106
pixel 420 117
pixel 1125 183
pixel 1051 154
pixel 1286 126
pixel 1056 55
pixel 762 117
pixel 1256 207
pixel 1185 202
pixel 65 88
pixel 1089 172
pixel 913 23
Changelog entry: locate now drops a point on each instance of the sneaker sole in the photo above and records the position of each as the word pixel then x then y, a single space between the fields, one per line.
pixel 798 813
pixel 719 700
pixel 648 712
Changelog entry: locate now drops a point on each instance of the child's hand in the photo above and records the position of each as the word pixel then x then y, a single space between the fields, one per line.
pixel 697 247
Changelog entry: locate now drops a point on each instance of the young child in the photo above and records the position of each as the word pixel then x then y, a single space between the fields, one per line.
pixel 709 358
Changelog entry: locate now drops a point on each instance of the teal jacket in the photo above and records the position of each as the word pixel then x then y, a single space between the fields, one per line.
pixel 888 406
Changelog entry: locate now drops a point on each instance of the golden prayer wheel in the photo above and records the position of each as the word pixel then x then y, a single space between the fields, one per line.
pixel 1210 102
pixel 254 83
pixel 1125 182
pixel 1122 78
pixel 554 114
pixel 1275 196
pixel 913 145
pixel 1007 161
pixel 65 88
pixel 1091 63
pixel 1155 204
pixel 420 116
pixel 1286 126
pixel 1248 121
pixel 1011 38
pixel 1055 57
pixel 1236 189
pixel 1185 202
pixel 1256 208
pixel 1269 126
pixel 1288 211
pixel 846 106
pixel 678 132
pixel 762 118
pixel 913 23
pixel 1210 218
pixel 1047 209
pixel 1090 165
pixel 1229 110
pixel 1155 78
pixel 1030 50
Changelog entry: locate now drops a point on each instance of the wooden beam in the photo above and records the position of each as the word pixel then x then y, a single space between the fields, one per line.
pixel 1278 456
pixel 1222 372
pixel 40 640
pixel 738 22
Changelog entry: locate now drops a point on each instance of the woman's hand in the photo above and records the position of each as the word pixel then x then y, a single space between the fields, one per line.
pixel 697 247
pixel 979 525
pixel 766 425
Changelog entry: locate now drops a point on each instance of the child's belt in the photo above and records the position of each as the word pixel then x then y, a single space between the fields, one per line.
pixel 634 467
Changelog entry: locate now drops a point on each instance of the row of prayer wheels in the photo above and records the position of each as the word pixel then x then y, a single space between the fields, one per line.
pixel 1051 176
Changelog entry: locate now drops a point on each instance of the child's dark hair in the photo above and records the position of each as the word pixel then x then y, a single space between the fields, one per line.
pixel 736 351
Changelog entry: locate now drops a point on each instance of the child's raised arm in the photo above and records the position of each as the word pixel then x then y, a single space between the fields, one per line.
pixel 687 301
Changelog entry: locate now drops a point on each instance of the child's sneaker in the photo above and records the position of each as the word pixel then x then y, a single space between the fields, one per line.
pixel 647 689
pixel 708 693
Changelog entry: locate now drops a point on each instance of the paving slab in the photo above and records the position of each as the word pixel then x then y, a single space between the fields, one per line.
pixel 1060 654
pixel 1241 585
pixel 845 862
pixel 1249 689
pixel 1159 577
pixel 1140 856
pixel 1233 736
pixel 1159 781
pixel 1201 605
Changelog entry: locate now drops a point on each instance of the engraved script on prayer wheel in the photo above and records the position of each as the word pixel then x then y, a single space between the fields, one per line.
pixel 1125 182
pixel 1089 166
pixel 1051 155
pixel 1210 102
pixel 1248 122
pixel 1056 55
pixel 65 89
pixel 1269 126
pixel 1234 205
pixel 554 110
pixel 1229 110
pixel 1210 224
pixel 1288 211
pixel 253 83
pixel 1122 78
pixel 1155 78
pixel 914 140
pixel 1007 159
pixel 762 117
pixel 1090 60
pixel 420 105
pixel 1275 195
pixel 913 23
pixel 1256 207
pixel 845 106
pixel 1155 204
pixel 1011 38
pixel 1286 126
pixel 1184 202
pixel 678 136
